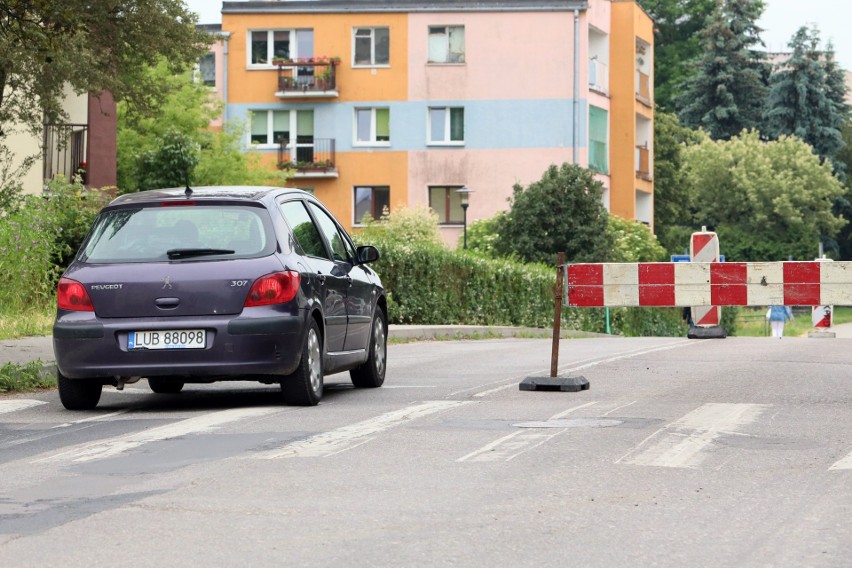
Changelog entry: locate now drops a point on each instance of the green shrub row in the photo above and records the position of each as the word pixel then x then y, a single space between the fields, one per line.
pixel 431 285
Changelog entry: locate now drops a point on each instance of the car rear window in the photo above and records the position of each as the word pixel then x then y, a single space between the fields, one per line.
pixel 155 234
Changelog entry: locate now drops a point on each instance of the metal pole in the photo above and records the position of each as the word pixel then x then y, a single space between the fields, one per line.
pixel 557 314
pixel 464 211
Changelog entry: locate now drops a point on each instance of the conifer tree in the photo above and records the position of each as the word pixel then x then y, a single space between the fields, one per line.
pixel 726 94
pixel 806 97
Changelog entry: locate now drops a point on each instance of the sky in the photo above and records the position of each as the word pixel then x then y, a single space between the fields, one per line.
pixel 780 20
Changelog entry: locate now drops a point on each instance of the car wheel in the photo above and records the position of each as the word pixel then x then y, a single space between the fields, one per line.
pixel 372 373
pixel 78 394
pixel 165 385
pixel 304 386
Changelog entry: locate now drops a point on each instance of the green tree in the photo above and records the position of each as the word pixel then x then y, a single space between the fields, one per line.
pixel 187 108
pixel 766 200
pixel 633 242
pixel 676 43
pixel 726 94
pixel 91 47
pixel 801 97
pixel 171 164
pixel 562 212
pixel 672 209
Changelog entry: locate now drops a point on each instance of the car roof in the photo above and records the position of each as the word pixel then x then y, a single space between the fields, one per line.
pixel 229 192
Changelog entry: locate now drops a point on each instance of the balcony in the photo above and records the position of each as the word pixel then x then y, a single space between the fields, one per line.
pixel 65 150
pixel 643 88
pixel 312 158
pixel 598 76
pixel 643 163
pixel 313 77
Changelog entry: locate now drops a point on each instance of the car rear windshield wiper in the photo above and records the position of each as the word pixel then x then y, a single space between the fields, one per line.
pixel 190 252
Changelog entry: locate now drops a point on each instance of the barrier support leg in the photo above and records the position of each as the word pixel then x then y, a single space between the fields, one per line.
pixel 555 382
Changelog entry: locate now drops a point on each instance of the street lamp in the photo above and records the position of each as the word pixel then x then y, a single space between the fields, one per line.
pixel 464 198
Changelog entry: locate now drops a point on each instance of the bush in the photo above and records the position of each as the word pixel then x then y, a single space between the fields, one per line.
pixel 414 224
pixel 75 207
pixel 27 254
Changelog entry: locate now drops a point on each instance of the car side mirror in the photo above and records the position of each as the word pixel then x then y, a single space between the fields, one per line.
pixel 367 254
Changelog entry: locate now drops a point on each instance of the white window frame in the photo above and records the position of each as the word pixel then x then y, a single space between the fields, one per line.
pixel 270 123
pixel 372 142
pixel 270 49
pixel 447 127
pixel 447 39
pixel 372 64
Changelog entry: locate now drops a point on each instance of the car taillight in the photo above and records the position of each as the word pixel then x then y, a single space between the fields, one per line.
pixel 275 288
pixel 72 296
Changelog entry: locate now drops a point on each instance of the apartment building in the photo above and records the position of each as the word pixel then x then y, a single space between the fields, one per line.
pixel 387 104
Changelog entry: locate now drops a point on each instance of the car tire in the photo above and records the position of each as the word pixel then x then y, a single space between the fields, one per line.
pixel 78 394
pixel 165 385
pixel 372 373
pixel 304 387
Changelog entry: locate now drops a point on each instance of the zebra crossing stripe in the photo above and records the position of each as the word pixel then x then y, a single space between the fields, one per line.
pixel 14 405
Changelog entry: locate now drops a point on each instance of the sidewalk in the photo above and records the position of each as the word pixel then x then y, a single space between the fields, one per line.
pixel 20 351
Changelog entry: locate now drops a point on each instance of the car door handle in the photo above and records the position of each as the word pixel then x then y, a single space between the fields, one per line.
pixel 349 280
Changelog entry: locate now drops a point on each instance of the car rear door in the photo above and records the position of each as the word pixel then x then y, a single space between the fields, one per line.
pixel 333 282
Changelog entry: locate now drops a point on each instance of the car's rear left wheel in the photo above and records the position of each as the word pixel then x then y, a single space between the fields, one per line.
pixel 372 373
pixel 304 387
pixel 165 385
pixel 78 394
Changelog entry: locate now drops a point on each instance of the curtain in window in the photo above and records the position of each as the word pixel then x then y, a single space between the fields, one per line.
pixel 382 46
pixel 598 159
pixel 437 121
pixel 456 49
pixel 280 126
pixel 382 124
pixel 363 46
pixel 258 128
pixel 438 45
pixel 457 124
pixel 362 120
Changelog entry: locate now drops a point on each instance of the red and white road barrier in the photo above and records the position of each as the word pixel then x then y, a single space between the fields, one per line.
pixel 704 247
pixel 669 284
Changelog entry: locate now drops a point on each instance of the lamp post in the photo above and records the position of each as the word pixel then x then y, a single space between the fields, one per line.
pixel 464 198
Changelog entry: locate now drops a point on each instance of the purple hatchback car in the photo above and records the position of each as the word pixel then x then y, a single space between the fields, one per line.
pixel 218 283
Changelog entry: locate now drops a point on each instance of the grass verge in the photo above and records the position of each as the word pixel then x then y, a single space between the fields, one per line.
pixel 27 377
pixel 752 322
pixel 15 324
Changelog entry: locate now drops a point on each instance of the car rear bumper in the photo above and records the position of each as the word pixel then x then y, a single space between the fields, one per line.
pixel 87 347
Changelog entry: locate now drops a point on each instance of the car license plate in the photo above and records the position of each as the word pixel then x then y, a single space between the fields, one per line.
pixel 167 339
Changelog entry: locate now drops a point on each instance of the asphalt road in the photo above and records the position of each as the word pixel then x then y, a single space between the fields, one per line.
pixel 734 452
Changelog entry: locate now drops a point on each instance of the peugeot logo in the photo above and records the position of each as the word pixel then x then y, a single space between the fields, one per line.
pixel 167 283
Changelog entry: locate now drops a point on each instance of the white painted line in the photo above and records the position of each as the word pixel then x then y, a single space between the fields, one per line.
pixel 509 447
pixel 14 405
pixel 409 386
pixel 683 442
pixel 94 418
pixel 845 463
pixel 348 437
pixel 119 444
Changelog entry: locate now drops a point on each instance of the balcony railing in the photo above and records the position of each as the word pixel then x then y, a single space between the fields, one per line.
pixel 643 162
pixel 307 78
pixel 65 150
pixel 309 156
pixel 598 76
pixel 643 87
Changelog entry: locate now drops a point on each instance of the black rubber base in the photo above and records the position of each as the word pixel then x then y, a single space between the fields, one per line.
pixel 562 384
pixel 714 332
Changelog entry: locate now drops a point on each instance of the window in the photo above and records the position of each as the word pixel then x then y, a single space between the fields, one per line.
pixel 446 125
pixel 266 45
pixel 341 249
pixel 207 69
pixel 269 127
pixel 446 202
pixel 371 46
pixel 304 231
pixel 372 126
pixel 598 159
pixel 372 201
pixel 446 44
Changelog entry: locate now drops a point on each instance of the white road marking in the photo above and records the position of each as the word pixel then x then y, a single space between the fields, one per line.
pixel 351 436
pixel 845 463
pixel 14 405
pixel 119 444
pixel 94 418
pixel 409 386
pixel 682 443
pixel 593 363
pixel 509 447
